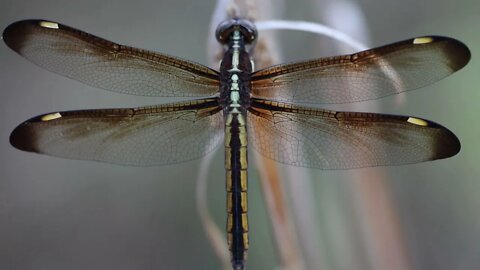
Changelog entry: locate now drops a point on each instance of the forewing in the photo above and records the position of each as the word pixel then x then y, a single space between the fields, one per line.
pixel 323 139
pixel 371 74
pixel 147 136
pixel 104 64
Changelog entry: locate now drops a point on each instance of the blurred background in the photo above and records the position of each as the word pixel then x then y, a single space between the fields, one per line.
pixel 69 214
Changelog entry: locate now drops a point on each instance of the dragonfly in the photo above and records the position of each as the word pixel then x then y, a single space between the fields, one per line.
pixel 267 109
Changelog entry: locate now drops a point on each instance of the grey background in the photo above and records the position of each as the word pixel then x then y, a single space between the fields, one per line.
pixel 66 214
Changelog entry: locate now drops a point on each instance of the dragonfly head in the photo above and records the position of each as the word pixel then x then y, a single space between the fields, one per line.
pixel 226 28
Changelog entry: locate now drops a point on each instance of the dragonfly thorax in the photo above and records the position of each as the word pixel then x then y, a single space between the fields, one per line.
pixel 235 73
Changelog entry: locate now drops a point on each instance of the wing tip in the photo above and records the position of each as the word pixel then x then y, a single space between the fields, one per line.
pixel 452 146
pixel 458 53
pixel 23 138
pixel 461 55
pixel 447 144
pixel 15 34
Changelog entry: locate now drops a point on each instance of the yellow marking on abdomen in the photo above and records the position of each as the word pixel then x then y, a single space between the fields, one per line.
pixel 243 184
pixel 245 222
pixel 243 201
pixel 228 158
pixel 229 223
pixel 245 240
pixel 243 158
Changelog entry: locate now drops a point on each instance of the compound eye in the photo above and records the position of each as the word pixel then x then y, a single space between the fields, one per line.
pixel 248 30
pixel 224 30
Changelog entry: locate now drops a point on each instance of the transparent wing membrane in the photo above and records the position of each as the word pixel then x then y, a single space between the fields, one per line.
pixel 323 139
pixel 107 65
pixel 371 74
pixel 146 136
